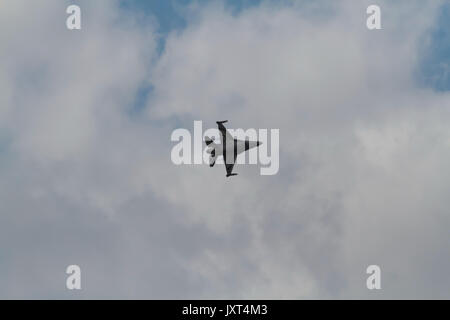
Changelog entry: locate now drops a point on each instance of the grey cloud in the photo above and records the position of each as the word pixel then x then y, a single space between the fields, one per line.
pixel 364 155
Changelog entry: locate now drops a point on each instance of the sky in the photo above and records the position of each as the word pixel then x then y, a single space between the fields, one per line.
pixel 86 178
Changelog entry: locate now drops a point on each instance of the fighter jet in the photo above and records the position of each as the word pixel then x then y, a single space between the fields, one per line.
pixel 229 148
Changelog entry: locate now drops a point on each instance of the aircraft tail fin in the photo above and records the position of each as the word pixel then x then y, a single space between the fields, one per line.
pixel 211 150
pixel 212 161
pixel 208 140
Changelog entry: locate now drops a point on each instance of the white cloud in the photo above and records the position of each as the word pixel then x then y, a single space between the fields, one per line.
pixel 351 120
pixel 364 152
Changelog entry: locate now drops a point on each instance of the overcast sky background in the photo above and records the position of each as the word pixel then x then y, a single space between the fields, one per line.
pixel 85 171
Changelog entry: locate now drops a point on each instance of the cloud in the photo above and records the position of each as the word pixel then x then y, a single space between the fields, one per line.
pixel 364 153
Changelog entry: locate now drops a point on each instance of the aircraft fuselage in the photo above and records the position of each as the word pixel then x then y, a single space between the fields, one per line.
pixel 230 150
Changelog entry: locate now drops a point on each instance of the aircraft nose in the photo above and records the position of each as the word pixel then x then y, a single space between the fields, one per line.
pixel 258 143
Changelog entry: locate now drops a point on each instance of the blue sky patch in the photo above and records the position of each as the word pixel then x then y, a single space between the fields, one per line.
pixel 435 63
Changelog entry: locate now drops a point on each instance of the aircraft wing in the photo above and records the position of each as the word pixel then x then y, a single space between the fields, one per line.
pixel 227 140
pixel 226 136
pixel 229 167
